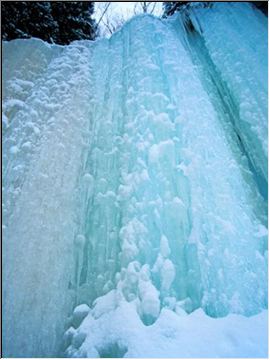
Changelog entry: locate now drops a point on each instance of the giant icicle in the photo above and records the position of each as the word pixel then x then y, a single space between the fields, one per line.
pixel 135 174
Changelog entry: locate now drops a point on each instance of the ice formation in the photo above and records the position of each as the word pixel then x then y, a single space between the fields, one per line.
pixel 134 188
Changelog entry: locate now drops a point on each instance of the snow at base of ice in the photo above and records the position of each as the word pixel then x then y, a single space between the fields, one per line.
pixel 121 333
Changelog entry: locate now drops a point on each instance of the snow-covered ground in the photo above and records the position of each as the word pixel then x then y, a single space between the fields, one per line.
pixel 134 181
pixel 117 331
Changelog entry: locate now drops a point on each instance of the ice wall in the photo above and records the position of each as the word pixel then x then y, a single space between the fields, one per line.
pixel 45 97
pixel 134 170
pixel 242 72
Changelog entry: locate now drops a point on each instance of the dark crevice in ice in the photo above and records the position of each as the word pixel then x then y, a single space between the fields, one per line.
pixel 221 98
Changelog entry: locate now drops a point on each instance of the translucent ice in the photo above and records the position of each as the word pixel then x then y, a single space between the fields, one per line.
pixel 134 182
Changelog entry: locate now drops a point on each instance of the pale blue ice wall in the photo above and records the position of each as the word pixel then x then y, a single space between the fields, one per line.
pixel 45 102
pixel 244 71
pixel 137 164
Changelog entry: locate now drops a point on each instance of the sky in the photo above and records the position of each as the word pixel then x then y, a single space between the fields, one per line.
pixel 127 8
pixel 124 10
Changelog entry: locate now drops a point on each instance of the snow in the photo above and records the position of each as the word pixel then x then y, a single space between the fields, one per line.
pixel 134 187
pixel 104 304
pixel 79 313
pixel 167 274
pixel 172 335
pixel 164 149
pixel 164 246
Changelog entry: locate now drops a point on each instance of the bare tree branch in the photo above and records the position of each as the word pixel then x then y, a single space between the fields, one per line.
pixel 145 7
pixel 153 8
pixel 107 6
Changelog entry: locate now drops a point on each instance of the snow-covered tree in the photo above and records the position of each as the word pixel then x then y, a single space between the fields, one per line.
pixel 56 21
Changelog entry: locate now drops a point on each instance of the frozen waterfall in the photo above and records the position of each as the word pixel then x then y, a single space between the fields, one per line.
pixel 135 183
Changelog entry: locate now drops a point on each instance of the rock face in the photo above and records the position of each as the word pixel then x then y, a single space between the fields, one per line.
pixel 134 181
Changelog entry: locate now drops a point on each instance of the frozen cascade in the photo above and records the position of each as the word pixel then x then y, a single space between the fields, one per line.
pixel 135 188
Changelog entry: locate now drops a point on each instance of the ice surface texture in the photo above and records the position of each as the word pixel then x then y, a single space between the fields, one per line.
pixel 134 179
